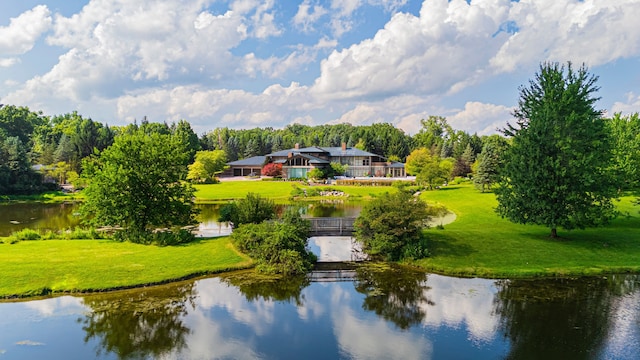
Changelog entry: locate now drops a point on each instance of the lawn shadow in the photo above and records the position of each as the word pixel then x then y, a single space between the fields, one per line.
pixel 448 246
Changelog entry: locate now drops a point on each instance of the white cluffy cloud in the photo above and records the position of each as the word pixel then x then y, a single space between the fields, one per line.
pixel 243 63
pixel 22 33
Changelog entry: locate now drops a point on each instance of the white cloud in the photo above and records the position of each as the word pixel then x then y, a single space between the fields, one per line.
pixel 207 108
pixel 631 105
pixel 485 119
pixel 590 31
pixel 308 15
pixel 463 302
pixel 448 44
pixel 23 31
pixel 262 20
pixel 8 62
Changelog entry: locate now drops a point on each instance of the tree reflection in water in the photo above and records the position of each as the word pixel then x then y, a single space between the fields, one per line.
pixel 560 318
pixel 395 293
pixel 255 286
pixel 139 324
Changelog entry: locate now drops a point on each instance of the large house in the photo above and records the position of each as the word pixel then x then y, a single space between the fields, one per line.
pixel 297 162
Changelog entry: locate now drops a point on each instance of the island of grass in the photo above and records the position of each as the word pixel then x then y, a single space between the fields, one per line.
pixel 478 243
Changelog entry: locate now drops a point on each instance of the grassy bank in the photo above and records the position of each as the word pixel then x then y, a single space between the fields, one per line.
pixel 52 196
pixel 479 243
pixel 31 268
pixel 279 191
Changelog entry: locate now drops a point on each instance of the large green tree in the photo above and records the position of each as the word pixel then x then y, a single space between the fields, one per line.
pixel 136 183
pixel 556 171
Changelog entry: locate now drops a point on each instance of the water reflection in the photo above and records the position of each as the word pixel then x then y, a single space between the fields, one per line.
pixel 396 294
pixel 139 324
pixel 255 287
pixel 383 312
pixel 562 318
pixel 18 216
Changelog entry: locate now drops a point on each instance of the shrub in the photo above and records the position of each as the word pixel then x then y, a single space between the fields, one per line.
pixel 277 246
pixel 272 169
pixel 253 209
pixel 391 226
pixel 316 174
pixel 25 234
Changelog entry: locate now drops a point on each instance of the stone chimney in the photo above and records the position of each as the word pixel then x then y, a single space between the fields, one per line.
pixel 296 146
pixel 344 146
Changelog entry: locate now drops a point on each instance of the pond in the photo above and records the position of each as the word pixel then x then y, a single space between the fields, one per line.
pixel 374 313
pixel 61 216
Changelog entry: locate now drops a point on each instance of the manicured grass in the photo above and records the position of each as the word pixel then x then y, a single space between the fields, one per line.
pixel 480 243
pixel 279 191
pixel 232 190
pixel 31 268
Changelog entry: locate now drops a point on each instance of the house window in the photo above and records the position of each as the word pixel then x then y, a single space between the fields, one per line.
pixel 365 162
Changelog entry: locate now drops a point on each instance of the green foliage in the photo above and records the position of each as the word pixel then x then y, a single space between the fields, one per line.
pixel 430 169
pixel 136 184
pixel 316 174
pixel 278 246
pixel 391 227
pixel 25 234
pixel 556 172
pixel 489 162
pixel 16 175
pixel 625 134
pixel 253 209
pixel 207 164
pixel 338 169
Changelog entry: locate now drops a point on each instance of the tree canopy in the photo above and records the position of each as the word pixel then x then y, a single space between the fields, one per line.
pixel 391 226
pixel 556 171
pixel 137 184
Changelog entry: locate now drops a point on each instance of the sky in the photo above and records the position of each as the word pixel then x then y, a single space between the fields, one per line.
pixel 248 63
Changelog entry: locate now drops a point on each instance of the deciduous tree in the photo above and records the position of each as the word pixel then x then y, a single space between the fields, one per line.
pixel 391 226
pixel 136 183
pixel 557 169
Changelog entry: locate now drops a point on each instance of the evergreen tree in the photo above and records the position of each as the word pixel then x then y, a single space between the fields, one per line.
pixel 556 171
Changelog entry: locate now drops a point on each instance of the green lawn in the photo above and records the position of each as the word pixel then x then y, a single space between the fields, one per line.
pixel 479 243
pixel 31 268
pixel 279 191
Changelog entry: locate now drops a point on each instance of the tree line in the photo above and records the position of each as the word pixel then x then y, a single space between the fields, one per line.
pixel 436 154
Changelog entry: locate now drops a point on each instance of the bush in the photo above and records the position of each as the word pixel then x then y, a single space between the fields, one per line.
pixel 253 209
pixel 25 234
pixel 272 169
pixel 391 227
pixel 278 247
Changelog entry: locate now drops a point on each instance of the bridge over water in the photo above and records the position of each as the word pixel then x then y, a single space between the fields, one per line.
pixel 332 226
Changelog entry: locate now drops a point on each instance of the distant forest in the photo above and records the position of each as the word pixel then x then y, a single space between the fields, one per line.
pixel 37 152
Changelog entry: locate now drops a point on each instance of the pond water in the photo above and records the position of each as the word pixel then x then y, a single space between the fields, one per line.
pixel 62 216
pixel 377 313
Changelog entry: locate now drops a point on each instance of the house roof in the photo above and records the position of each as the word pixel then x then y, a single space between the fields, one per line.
pixel 331 151
pixel 252 161
pixel 395 164
pixel 307 150
pixel 313 159
pixel 350 151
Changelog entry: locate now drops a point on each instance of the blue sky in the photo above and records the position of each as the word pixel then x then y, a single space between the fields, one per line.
pixel 249 63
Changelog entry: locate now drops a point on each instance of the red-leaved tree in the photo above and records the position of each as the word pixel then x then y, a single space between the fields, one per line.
pixel 272 169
